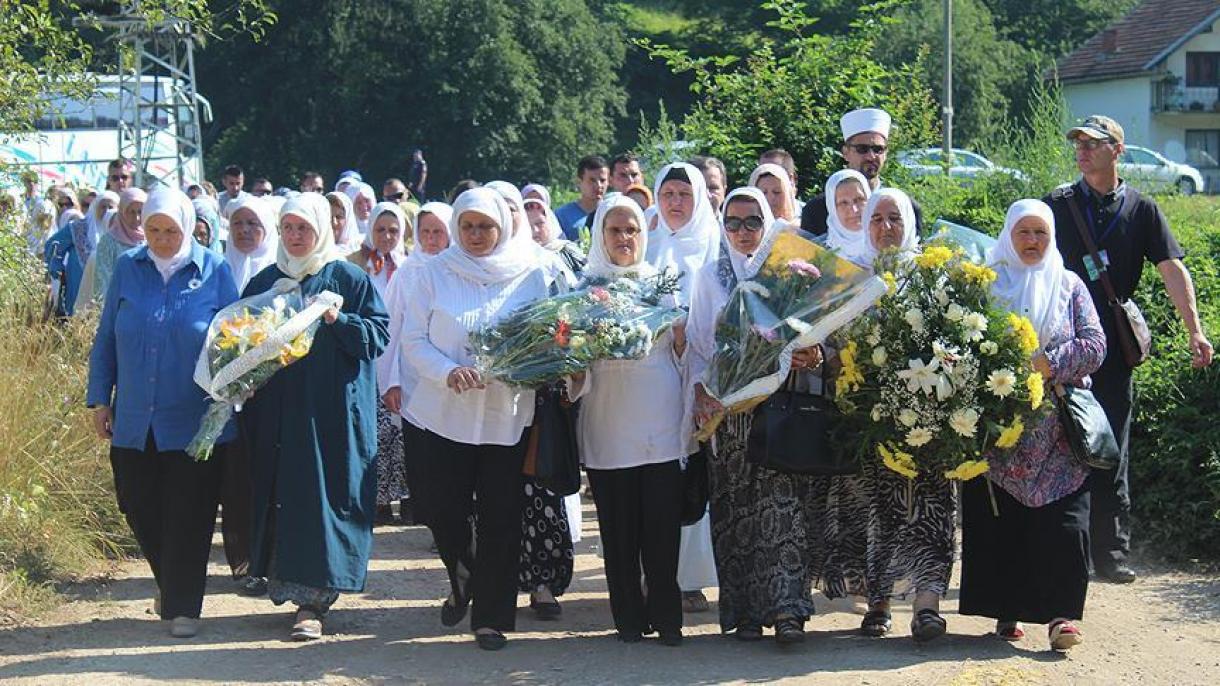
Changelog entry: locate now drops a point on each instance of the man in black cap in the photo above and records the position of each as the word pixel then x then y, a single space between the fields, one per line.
pixel 1126 228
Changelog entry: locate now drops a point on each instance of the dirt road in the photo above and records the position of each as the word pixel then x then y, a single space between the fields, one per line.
pixel 1163 630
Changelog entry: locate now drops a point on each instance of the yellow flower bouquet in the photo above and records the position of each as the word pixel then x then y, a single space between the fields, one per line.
pixel 247 343
pixel 937 375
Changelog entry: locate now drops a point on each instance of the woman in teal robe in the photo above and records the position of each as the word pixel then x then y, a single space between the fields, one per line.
pixel 312 430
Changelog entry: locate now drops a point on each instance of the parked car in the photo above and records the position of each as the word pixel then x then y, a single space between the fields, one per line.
pixel 966 164
pixel 1149 170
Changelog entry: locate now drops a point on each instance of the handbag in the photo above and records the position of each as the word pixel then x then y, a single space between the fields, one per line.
pixel 1134 338
pixel 552 455
pixel 1086 427
pixel 695 488
pixel 791 434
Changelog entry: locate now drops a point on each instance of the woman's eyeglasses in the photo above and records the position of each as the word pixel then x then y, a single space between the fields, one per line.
pixel 864 148
pixel 752 224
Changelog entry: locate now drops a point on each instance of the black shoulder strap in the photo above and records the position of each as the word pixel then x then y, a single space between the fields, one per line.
pixel 1069 196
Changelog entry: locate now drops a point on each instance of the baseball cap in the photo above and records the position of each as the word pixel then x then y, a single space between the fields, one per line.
pixel 1098 126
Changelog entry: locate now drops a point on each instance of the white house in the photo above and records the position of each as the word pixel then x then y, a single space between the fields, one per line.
pixel 1157 72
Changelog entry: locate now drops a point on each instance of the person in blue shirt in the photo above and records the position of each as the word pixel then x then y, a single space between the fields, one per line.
pixel 155 317
pixel 593 176
pixel 63 262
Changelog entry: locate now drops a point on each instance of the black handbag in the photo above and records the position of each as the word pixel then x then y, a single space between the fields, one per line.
pixel 695 488
pixel 1086 426
pixel 791 434
pixel 553 456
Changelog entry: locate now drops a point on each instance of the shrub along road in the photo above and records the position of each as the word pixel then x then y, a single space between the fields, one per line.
pixel 1163 630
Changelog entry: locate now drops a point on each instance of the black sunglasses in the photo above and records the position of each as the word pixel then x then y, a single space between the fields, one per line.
pixel 864 148
pixel 394 197
pixel 751 224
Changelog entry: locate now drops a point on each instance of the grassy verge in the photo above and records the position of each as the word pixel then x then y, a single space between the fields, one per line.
pixel 58 518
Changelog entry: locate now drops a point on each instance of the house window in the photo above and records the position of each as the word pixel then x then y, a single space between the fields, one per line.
pixel 1202 69
pixel 1203 147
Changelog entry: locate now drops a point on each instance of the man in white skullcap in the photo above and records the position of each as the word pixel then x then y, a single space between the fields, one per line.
pixel 866 134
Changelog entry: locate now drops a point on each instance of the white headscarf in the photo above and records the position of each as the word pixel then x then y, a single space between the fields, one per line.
pixel 785 182
pixel 540 190
pixel 96 221
pixel 393 208
pixel 508 259
pixel 849 244
pixel 599 263
pixel 351 237
pixel 554 233
pixel 514 199
pixel 1034 291
pixel 910 241
pixel 172 203
pixel 246 264
pixel 688 247
pixel 746 266
pixel 315 210
pixel 356 190
pixel 441 211
pixel 69 215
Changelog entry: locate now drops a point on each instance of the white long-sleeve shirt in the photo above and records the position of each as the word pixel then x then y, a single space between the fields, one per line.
pixel 442 310
pixel 632 411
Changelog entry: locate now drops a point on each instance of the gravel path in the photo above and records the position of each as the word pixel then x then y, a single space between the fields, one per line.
pixel 1163 630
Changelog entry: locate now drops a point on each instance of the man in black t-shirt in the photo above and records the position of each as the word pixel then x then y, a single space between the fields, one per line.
pixel 1127 228
pixel 866 136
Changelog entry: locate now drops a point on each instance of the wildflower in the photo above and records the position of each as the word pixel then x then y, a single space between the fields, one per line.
pixel 989 347
pixel 918 436
pixel 1001 382
pixel 964 422
pixel 968 470
pixel 599 294
pixel 898 461
pixel 908 417
pixel 1011 434
pixel 955 312
pixel 1036 388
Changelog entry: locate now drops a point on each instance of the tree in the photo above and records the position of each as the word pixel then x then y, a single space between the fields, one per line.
pixel 488 88
pixel 790 93
pixel 1055 27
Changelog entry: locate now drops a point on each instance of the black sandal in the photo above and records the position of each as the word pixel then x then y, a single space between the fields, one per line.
pixel 876 623
pixel 927 625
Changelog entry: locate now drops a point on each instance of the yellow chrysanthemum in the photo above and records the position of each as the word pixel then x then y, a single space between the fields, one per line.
pixel 227 341
pixel 1027 336
pixel 968 470
pixel 891 284
pixel 898 461
pixel 976 273
pixel 257 337
pixel 1011 434
pixel 1033 382
pixel 788 247
pixel 850 377
pixel 934 257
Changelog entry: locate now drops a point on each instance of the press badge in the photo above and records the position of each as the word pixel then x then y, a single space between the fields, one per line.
pixel 1091 268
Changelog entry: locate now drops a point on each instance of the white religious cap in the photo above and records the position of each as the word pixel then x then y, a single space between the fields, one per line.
pixel 869 120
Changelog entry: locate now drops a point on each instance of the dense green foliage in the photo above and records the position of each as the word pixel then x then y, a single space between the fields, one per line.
pixel 487 87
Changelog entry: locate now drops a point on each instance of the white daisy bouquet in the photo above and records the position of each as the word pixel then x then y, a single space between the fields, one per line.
pixel 937 374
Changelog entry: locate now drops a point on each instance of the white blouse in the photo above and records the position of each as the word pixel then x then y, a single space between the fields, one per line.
pixel 393 369
pixel 442 310
pixel 632 411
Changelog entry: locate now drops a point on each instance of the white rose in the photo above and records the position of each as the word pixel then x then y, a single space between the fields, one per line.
pixel 908 417
pixel 914 319
pixel 879 356
pixel 989 347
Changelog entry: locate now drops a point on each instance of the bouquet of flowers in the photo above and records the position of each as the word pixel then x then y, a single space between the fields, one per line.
pixel 937 374
pixel 801 295
pixel 549 339
pixel 247 343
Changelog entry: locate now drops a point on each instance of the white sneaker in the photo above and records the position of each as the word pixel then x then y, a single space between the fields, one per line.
pixel 184 627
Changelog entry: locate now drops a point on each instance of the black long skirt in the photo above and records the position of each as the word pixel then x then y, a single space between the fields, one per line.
pixel 1029 564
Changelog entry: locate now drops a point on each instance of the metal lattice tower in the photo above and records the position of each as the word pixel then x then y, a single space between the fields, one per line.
pixel 158 104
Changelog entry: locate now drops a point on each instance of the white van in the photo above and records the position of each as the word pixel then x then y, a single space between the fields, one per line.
pixel 75 141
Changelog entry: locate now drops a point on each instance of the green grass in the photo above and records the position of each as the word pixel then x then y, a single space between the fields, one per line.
pixel 654 18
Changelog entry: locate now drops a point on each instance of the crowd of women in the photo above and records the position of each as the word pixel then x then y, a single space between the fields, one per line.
pixel 389 400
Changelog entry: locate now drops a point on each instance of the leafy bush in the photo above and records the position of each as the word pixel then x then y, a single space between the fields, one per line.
pixel 57 510
pixel 1175 439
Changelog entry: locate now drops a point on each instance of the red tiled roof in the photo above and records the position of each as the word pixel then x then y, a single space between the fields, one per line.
pixel 1140 37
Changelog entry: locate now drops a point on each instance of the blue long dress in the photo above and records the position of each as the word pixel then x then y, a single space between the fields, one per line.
pixel 61 257
pixel 312 433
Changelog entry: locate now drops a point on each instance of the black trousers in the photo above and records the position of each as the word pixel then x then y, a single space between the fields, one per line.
pixel 169 501
pixel 1029 564
pixel 414 452
pixel 235 498
pixel 484 481
pixel 1111 494
pixel 639 513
